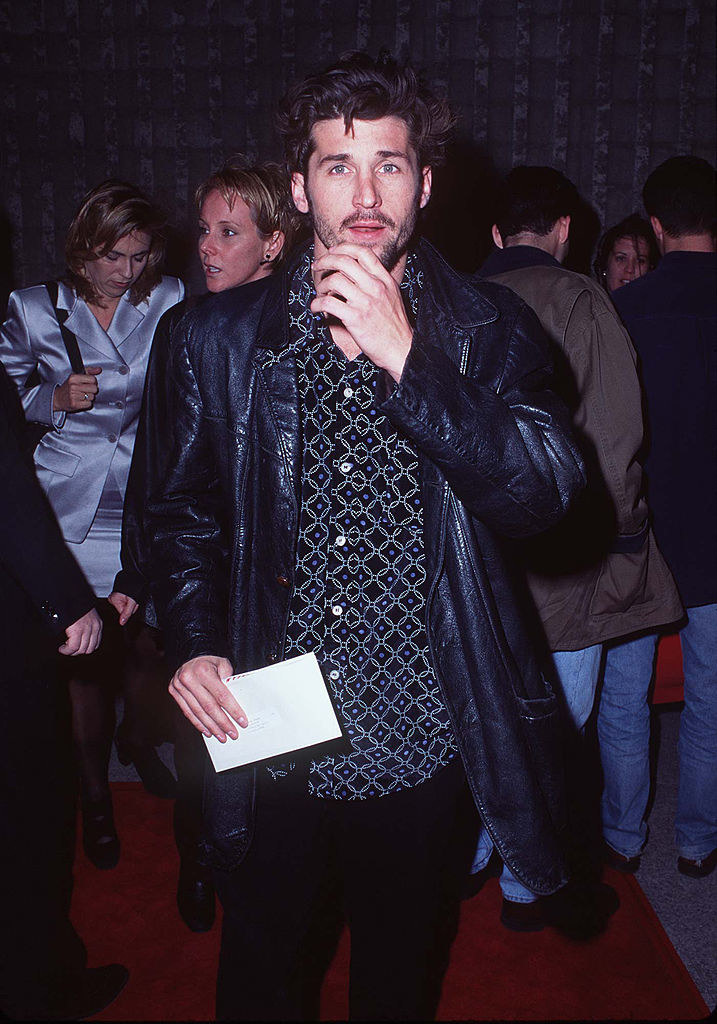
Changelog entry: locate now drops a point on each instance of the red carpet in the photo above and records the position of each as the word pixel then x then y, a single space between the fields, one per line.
pixel 630 973
pixel 669 677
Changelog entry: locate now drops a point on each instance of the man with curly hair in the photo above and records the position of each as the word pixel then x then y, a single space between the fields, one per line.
pixel 352 438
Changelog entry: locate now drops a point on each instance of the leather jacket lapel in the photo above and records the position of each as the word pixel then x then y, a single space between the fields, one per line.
pixel 277 369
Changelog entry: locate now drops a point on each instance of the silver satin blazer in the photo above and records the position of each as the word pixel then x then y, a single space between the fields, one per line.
pixel 73 459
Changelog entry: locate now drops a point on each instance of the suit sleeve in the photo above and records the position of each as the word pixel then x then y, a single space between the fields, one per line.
pixel 507 453
pixel 32 550
pixel 18 357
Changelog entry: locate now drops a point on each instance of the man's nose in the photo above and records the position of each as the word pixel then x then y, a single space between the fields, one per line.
pixel 367 194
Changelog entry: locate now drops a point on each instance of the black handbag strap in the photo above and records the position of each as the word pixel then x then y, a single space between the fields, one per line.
pixel 73 349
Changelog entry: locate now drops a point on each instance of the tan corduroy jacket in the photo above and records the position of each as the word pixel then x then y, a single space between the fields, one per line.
pixel 599 574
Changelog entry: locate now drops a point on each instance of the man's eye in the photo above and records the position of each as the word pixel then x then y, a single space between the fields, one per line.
pixel 389 169
pixel 338 169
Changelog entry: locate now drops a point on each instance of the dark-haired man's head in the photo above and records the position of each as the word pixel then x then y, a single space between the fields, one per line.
pixel 534 207
pixel 361 138
pixel 679 197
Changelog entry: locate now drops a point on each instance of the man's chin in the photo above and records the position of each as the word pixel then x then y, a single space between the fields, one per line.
pixel 385 250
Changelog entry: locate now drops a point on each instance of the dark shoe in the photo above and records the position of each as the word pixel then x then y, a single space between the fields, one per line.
pixel 475 882
pixel 697 868
pixel 99 836
pixel 522 917
pixel 581 911
pixel 628 865
pixel 85 994
pixel 156 777
pixel 195 896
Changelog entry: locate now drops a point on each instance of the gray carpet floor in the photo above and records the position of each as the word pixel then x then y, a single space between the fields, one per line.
pixel 686 907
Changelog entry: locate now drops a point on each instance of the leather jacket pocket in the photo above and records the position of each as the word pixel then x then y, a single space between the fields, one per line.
pixel 55 459
pixel 542 728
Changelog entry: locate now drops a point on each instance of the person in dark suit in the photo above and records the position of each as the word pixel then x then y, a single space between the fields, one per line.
pixel 671 315
pixel 43 597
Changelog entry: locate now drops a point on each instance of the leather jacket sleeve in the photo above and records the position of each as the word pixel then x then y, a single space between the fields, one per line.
pixel 504 444
pixel 187 546
pixel 148 463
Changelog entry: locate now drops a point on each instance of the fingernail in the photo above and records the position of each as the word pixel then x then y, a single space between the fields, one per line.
pixel 242 722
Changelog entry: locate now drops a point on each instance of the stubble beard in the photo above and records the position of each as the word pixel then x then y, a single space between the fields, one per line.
pixel 388 252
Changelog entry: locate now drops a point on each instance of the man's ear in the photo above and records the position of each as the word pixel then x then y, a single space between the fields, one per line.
pixel 658 229
pixel 496 236
pixel 426 182
pixel 564 229
pixel 298 192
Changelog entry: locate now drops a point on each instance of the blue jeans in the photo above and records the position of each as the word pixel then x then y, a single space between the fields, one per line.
pixel 624 735
pixel 576 674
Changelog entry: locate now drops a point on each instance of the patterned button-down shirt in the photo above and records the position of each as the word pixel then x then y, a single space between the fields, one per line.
pixel 359 599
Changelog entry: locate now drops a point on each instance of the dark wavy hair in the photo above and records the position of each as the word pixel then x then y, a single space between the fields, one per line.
pixel 634 227
pixel 532 199
pixel 265 190
pixel 107 213
pixel 360 87
pixel 681 194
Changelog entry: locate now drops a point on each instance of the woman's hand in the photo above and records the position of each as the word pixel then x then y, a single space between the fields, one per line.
pixel 83 636
pixel 125 606
pixel 78 392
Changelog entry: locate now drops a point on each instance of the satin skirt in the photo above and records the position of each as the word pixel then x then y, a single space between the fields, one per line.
pixel 99 553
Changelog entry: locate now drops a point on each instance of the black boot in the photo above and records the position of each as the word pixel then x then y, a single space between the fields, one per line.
pixel 99 835
pixel 195 895
pixel 156 778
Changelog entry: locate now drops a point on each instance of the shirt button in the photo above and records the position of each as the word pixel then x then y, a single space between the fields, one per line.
pixel 112 438
pixel 334 674
pixel 340 541
pixel 348 392
pixel 345 467
pixel 124 370
pixel 337 610
pixel 282 581
pixel 120 405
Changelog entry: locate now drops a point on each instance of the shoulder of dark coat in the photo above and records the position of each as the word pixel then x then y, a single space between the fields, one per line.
pixel 225 316
pixel 466 298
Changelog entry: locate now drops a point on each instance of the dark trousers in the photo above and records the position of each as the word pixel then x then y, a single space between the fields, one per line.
pixel 190 758
pixel 39 947
pixel 392 864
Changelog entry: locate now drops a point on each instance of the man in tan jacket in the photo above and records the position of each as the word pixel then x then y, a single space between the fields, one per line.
pixel 598 575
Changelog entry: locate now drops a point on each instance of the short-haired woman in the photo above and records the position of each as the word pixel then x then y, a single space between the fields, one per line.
pixel 247 224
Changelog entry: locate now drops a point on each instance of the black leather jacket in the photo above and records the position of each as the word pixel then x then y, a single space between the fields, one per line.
pixel 496 457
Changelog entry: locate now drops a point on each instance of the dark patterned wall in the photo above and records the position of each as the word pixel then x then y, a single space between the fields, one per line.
pixel 159 91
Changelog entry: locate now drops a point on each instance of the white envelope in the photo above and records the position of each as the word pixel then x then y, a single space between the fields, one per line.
pixel 287 708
